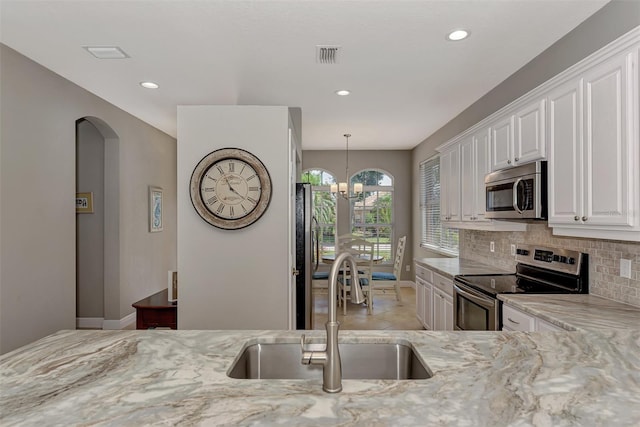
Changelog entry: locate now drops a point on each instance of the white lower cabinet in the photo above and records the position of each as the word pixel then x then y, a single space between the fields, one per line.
pixel 516 320
pixel 434 300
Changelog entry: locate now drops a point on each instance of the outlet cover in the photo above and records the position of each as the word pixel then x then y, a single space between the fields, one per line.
pixel 513 249
pixel 492 246
pixel 625 268
pixel 408 267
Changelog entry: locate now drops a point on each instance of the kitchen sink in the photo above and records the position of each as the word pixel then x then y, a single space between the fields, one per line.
pixel 380 361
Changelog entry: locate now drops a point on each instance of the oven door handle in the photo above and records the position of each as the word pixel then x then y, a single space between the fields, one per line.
pixel 475 297
pixel 515 196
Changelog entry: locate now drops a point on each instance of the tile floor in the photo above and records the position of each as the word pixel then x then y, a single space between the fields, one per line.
pixel 387 312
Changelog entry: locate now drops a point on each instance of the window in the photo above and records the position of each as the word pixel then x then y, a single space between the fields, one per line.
pixel 372 213
pixel 434 235
pixel 324 208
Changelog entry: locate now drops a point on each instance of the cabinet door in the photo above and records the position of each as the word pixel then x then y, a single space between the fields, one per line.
pixel 438 311
pixel 427 318
pixel 445 184
pixel 467 179
pixel 608 136
pixel 482 145
pixel 454 187
pixel 420 300
pixel 450 185
pixel 501 144
pixel 565 153
pixel 529 141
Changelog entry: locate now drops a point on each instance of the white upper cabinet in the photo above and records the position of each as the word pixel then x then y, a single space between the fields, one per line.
pixel 607 143
pixel 565 153
pixel 475 164
pixel 450 184
pixel 502 143
pixel 594 154
pixel 519 138
pixel 529 141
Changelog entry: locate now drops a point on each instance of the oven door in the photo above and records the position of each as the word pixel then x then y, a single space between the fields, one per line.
pixel 473 310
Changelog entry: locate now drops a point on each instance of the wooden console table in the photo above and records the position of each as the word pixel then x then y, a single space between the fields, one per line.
pixel 156 311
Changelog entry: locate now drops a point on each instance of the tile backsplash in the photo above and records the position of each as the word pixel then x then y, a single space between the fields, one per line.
pixel 604 257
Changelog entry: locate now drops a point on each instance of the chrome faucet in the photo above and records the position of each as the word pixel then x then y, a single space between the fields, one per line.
pixel 330 357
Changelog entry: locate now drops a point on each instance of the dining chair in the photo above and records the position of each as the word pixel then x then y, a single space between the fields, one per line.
pixel 384 280
pixel 342 241
pixel 362 251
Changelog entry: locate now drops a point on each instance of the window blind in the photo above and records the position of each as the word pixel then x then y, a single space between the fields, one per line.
pixel 433 234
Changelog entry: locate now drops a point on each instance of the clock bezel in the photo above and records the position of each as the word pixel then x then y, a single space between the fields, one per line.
pixel 211 160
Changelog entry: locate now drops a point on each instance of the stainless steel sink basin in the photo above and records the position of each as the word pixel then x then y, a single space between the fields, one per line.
pixel 388 361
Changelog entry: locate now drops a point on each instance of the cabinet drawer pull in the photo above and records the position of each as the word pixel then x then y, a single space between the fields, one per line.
pixel 576 218
pixel 584 218
pixel 508 162
pixel 512 321
pixel 516 159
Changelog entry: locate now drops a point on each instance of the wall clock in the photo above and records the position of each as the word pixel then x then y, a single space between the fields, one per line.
pixel 230 188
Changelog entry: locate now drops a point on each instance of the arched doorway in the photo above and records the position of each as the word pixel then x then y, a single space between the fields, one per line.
pixel 97 232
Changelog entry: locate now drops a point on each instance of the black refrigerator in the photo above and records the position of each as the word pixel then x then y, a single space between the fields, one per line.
pixel 305 246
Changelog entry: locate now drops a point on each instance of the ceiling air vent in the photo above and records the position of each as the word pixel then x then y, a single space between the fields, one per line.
pixel 327 54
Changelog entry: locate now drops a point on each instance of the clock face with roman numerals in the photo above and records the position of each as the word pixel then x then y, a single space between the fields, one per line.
pixel 230 188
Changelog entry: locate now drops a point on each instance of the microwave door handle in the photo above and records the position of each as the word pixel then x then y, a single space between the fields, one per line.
pixel 515 196
pixel 478 299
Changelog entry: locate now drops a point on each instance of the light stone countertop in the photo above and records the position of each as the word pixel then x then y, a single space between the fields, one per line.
pixel 450 267
pixel 161 377
pixel 576 312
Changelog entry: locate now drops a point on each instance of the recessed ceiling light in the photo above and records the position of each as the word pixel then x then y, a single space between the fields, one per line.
pixel 106 52
pixel 149 85
pixel 342 92
pixel 458 35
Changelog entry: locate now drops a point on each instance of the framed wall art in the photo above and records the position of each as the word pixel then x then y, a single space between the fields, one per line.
pixel 155 209
pixel 84 202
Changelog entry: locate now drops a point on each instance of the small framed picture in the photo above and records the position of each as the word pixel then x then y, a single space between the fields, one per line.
pixel 84 202
pixel 155 209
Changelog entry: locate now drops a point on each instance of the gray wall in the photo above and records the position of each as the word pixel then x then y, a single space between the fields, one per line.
pixel 396 162
pixel 609 23
pixel 38 117
pixel 234 279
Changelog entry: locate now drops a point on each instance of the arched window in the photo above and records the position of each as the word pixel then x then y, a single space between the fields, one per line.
pixel 372 212
pixel 324 207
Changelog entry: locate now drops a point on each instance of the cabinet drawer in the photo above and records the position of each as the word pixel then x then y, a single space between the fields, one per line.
pixel 517 320
pixel 424 274
pixel 443 283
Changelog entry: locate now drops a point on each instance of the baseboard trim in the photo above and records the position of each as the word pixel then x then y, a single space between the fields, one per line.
pixel 120 324
pixel 89 322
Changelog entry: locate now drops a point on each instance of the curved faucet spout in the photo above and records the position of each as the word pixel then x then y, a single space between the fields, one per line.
pixel 330 357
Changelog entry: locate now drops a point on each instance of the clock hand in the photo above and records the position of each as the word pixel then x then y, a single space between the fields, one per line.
pixel 234 190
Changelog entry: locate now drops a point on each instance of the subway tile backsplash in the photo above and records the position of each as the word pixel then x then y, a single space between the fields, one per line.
pixel 604 257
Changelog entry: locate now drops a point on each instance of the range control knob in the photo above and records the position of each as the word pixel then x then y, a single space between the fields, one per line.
pixel 563 259
pixel 556 258
pixel 571 260
pixel 522 252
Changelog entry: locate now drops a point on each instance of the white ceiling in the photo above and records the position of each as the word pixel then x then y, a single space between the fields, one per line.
pixel 406 80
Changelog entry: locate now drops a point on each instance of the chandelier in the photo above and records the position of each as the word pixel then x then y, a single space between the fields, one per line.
pixel 342 188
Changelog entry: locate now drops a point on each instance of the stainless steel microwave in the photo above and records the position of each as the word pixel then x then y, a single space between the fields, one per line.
pixel 517 193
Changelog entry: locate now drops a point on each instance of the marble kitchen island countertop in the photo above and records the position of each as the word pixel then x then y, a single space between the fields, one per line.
pixel 576 312
pixel 450 267
pixel 162 377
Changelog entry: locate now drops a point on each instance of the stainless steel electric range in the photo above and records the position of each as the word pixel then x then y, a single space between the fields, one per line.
pixel 540 270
